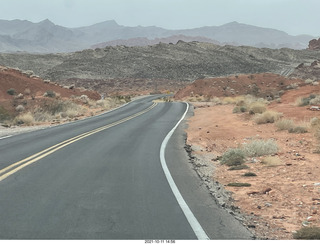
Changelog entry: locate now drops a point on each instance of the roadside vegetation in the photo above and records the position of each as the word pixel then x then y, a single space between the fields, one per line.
pixel 308 233
pixel 51 108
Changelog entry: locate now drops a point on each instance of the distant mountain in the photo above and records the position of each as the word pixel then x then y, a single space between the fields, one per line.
pixel 46 37
pixel 249 35
pixel 42 37
pixel 143 41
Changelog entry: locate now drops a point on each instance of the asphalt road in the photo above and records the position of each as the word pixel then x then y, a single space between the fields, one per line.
pixel 102 178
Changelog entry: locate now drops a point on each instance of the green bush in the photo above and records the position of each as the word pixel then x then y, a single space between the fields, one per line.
pixel 307 233
pixel 239 109
pixel 238 184
pixel 233 157
pixel 249 174
pixel 298 129
pixel 258 148
pixel 11 91
pixel 239 167
pixel 236 110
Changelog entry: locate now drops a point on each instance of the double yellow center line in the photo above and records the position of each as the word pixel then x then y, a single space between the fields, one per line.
pixel 13 168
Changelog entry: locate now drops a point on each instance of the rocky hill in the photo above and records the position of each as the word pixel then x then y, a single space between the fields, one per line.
pixel 143 41
pixel 266 85
pixel 150 67
pixel 46 37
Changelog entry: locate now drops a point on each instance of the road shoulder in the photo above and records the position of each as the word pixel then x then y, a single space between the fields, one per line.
pixel 217 221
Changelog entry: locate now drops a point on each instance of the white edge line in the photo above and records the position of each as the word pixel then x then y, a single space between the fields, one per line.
pixel 195 225
pixel 1 138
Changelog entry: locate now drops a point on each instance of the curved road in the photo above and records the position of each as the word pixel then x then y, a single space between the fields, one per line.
pixel 101 178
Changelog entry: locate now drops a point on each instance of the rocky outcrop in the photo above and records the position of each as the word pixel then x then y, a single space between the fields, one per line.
pixel 314 44
pixel 309 72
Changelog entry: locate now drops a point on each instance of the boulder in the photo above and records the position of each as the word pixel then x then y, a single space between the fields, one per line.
pixel 314 44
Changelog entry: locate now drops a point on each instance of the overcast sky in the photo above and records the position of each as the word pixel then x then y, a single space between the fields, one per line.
pixel 292 16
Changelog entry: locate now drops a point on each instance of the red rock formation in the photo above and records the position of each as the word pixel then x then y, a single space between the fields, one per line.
pixel 314 44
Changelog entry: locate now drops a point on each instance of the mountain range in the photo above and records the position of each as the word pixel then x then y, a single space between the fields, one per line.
pixel 47 37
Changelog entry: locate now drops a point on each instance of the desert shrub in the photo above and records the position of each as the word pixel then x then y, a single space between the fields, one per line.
pixel 278 100
pixel 243 109
pixel 271 161
pixel 125 98
pixel 315 122
pixel 49 94
pixel 216 101
pixel 54 107
pixel 304 101
pixel 24 119
pixel 229 100
pixel 317 137
pixel 27 92
pixel 105 104
pixel 308 81
pixel 315 101
pixel 292 86
pixel 11 91
pixel 257 108
pixel 267 117
pixel 238 184
pixel 40 116
pixel 239 167
pixel 258 148
pixel 298 129
pixel 4 114
pixel 233 157
pixel 284 124
pixel 236 110
pixel 20 108
pixel 239 109
pixel 57 109
pixel 308 233
pixel 249 174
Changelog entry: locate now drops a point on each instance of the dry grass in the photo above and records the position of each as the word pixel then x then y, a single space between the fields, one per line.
pixel 258 148
pixel 267 117
pixel 284 124
pixel 24 119
pixel 271 161
pixel 257 108
pixel 298 129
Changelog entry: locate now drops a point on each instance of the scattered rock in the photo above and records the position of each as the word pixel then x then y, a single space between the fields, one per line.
pixel 267 204
pixel 267 190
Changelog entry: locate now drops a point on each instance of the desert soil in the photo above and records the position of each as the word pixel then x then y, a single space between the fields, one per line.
pixel 281 199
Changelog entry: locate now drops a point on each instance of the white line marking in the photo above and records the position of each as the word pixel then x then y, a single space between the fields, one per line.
pixel 1 138
pixel 195 225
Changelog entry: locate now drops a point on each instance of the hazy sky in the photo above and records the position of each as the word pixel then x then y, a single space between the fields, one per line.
pixel 292 16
